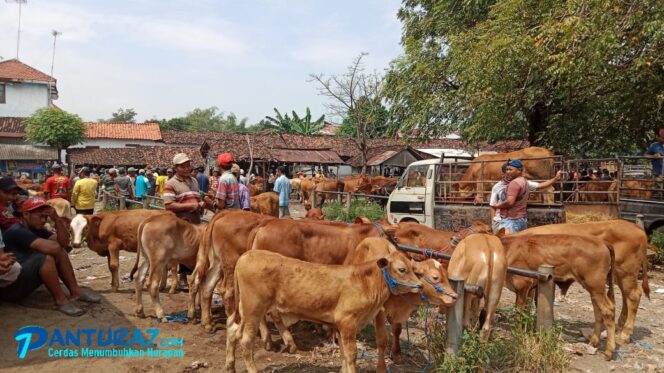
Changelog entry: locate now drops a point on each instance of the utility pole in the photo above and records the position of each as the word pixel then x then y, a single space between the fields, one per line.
pixel 55 34
pixel 18 36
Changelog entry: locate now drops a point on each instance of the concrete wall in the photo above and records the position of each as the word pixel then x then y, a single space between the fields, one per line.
pixel 23 99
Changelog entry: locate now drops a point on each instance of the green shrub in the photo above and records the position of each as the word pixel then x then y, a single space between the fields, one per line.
pixel 657 239
pixel 337 211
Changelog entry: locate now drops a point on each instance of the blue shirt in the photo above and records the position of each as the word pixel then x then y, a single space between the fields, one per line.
pixel 656 148
pixel 283 187
pixel 142 185
pixel 203 182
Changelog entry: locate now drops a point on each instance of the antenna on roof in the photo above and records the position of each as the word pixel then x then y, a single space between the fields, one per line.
pixel 18 36
pixel 55 34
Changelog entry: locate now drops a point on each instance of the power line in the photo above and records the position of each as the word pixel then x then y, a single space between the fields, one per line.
pixel 18 35
pixel 55 34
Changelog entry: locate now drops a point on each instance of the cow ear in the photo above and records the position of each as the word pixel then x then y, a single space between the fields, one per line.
pixel 501 233
pixel 382 262
pixel 417 267
pixel 362 220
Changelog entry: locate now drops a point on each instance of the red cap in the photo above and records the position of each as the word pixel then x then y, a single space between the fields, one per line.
pixel 661 132
pixel 225 159
pixel 34 203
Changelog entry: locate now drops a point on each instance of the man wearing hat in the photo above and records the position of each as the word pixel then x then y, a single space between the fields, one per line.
pixel 57 186
pixel 83 196
pixel 43 258
pixel 513 209
pixel 181 196
pixel 228 190
pixel 656 151
pixel 243 191
pixel 243 179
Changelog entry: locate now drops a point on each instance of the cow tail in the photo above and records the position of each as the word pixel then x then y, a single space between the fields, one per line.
pixel 252 237
pixel 644 268
pixel 236 299
pixel 139 249
pixel 203 256
pixel 485 309
pixel 609 277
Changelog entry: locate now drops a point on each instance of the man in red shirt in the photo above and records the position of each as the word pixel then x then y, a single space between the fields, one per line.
pixel 57 186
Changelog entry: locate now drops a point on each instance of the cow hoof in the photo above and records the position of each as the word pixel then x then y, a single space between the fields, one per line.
pixel 623 340
pixel 268 346
pixel 288 347
pixel 608 355
pixel 208 328
pixel 140 314
pixel 115 288
pixel 396 358
pixel 594 341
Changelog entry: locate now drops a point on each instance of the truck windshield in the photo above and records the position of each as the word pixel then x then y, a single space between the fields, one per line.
pixel 416 176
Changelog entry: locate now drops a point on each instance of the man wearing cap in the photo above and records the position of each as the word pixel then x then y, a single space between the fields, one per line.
pixel 283 187
pixel 181 196
pixel 203 180
pixel 8 192
pixel 243 179
pixel 243 191
pixel 43 258
pixel 57 186
pixel 83 196
pixel 142 185
pixel 228 190
pixel 656 151
pixel 513 209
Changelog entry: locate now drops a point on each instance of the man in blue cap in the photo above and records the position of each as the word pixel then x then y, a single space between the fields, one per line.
pixel 513 209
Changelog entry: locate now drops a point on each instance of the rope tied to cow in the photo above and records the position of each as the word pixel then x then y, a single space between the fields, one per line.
pixel 393 282
pixel 438 288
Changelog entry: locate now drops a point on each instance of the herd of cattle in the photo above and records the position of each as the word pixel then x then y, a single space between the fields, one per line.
pixel 346 275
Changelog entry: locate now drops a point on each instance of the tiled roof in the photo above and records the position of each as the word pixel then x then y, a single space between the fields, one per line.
pixel 317 156
pixel 124 131
pixel 16 70
pixel 12 127
pixel 27 152
pixel 156 156
pixel 330 129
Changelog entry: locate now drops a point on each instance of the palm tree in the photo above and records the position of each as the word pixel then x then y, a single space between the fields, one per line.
pixel 296 125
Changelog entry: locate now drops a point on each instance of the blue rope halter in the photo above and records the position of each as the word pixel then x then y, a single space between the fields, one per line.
pixel 393 282
pixel 439 289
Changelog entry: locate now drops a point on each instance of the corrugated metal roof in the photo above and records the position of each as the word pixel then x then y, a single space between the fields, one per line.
pixel 382 157
pixel 11 152
pixel 311 156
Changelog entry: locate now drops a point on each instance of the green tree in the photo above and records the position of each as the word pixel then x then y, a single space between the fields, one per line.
pixel 56 128
pixel 585 78
pixel 205 119
pixel 372 112
pixel 295 124
pixel 122 116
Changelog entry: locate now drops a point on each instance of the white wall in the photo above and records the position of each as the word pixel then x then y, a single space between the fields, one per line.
pixel 109 143
pixel 23 99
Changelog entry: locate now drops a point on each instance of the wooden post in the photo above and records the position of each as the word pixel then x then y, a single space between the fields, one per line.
pixel 455 319
pixel 349 196
pixel 313 198
pixel 123 203
pixel 104 199
pixel 146 202
pixel 545 295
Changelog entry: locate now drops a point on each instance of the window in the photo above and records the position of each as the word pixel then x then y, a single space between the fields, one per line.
pixel 416 176
pixel 2 94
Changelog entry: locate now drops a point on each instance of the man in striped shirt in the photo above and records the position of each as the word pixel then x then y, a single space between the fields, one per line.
pixel 228 190
pixel 181 196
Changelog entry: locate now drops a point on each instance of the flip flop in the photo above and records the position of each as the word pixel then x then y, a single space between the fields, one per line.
pixel 70 309
pixel 90 298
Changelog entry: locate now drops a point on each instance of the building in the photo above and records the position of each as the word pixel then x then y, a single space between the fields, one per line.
pixel 121 135
pixel 26 160
pixel 24 89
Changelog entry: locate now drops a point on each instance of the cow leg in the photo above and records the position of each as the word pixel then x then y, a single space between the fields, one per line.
pixel 604 311
pixel 233 332
pixel 491 300
pixel 174 277
pixel 194 284
pixel 396 343
pixel 467 312
pixel 249 326
pixel 114 262
pixel 211 279
pixel 138 282
pixel 381 342
pixel 548 196
pixel 266 338
pixel 162 279
pixel 153 281
pixel 631 294
pixel 348 332
pixel 289 341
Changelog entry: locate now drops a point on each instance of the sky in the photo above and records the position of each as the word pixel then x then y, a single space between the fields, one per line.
pixel 166 57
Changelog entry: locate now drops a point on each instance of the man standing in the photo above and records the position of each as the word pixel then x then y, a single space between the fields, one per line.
pixel 43 258
pixel 181 196
pixel 83 196
pixel 513 209
pixel 123 185
pixel 656 151
pixel 245 199
pixel 243 179
pixel 283 188
pixel 228 191
pixel 142 185
pixel 203 180
pixel 161 182
pixel 57 186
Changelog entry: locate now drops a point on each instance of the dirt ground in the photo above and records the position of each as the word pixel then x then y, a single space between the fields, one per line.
pixel 205 352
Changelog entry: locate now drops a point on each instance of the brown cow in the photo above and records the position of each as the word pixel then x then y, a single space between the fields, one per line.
pixel 225 240
pixel 383 185
pixel 347 297
pixel 61 206
pixel 328 186
pixel 357 184
pixel 397 309
pixel 315 214
pixel 266 204
pixel 630 244
pixel 488 167
pixel 591 191
pixel 640 189
pixel 296 187
pixel 257 186
pixel 162 240
pixel 110 232
pixel 584 259
pixel 479 259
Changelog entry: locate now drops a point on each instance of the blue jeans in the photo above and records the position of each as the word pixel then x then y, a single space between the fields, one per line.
pixel 513 225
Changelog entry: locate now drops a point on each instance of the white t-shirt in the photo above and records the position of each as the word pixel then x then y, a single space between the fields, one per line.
pixel 498 194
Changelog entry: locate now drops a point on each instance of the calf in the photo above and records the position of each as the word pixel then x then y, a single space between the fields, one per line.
pixel 163 239
pixel 266 203
pixel 584 259
pixel 398 308
pixel 630 244
pixel 61 206
pixel 347 297
pixel 479 259
pixel 315 214
pixel 109 232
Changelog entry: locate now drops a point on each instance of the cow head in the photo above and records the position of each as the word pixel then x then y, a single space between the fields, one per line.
pixel 315 214
pixel 307 205
pixel 434 277
pixel 397 266
pixel 87 226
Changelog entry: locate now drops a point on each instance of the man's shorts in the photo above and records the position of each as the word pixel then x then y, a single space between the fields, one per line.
pixel 283 211
pixel 85 211
pixel 513 225
pixel 28 280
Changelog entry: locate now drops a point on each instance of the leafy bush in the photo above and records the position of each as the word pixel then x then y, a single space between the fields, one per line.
pixel 657 239
pixel 337 211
